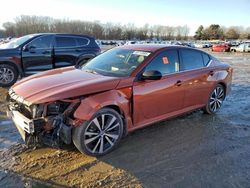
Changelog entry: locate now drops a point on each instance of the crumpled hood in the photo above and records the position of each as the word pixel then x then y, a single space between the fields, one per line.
pixel 61 84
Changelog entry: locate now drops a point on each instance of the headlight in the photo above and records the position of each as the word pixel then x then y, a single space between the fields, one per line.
pixel 56 108
pixel 37 110
pixel 17 98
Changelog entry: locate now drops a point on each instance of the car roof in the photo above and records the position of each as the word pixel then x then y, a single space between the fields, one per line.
pixel 152 47
pixel 63 34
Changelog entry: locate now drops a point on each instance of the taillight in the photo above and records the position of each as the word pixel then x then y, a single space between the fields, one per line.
pixel 97 50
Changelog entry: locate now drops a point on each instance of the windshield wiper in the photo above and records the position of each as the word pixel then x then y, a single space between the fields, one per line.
pixel 90 71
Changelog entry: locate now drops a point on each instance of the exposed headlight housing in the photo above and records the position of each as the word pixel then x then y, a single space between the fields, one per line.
pixel 56 108
pixel 20 99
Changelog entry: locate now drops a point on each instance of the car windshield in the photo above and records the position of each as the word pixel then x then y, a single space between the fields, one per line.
pixel 116 62
pixel 16 42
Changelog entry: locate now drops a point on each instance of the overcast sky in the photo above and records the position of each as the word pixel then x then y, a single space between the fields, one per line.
pixel 166 12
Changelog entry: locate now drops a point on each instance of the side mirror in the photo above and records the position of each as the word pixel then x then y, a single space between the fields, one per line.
pixel 26 48
pixel 30 49
pixel 151 75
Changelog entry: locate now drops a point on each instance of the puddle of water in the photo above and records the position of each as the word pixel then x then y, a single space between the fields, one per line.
pixel 9 135
pixel 10 179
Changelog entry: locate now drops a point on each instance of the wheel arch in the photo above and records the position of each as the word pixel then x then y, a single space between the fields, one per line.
pixel 224 86
pixel 84 57
pixel 109 99
pixel 17 67
pixel 119 111
pixel 116 108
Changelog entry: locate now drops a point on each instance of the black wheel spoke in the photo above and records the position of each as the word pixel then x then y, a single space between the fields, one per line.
pixel 96 122
pixel 91 139
pixel 109 141
pixel 101 145
pixel 97 144
pixel 111 121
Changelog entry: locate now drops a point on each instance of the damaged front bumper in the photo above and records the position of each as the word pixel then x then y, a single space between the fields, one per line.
pixel 32 130
pixel 50 123
pixel 23 124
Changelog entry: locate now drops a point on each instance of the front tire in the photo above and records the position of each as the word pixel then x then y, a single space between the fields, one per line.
pixel 8 75
pixel 101 134
pixel 215 100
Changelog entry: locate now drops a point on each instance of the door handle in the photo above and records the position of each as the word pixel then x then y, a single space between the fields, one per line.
pixel 46 52
pixel 211 73
pixel 79 50
pixel 178 83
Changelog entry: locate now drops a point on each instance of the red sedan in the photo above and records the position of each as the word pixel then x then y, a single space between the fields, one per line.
pixel 119 91
pixel 221 48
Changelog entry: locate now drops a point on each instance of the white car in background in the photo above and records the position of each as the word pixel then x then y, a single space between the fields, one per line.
pixel 199 45
pixel 244 47
pixel 130 42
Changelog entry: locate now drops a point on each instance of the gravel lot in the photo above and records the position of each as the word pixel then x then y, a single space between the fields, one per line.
pixel 194 150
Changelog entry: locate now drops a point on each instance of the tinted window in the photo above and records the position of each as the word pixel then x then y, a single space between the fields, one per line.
pixel 166 62
pixel 42 42
pixel 65 42
pixel 191 59
pixel 206 58
pixel 82 41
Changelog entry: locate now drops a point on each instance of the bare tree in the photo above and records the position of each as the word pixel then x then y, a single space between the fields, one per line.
pixel 232 33
pixel 24 24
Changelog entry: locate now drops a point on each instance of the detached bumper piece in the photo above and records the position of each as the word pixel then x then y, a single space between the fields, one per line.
pixel 24 125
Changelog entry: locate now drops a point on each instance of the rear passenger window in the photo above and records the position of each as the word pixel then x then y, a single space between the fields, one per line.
pixel 166 62
pixel 191 59
pixel 82 41
pixel 64 42
pixel 206 59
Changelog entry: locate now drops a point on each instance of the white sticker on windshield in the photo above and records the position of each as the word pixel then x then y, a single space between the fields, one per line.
pixel 141 53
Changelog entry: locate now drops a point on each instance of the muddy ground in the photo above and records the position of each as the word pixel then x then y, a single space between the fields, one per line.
pixel 194 150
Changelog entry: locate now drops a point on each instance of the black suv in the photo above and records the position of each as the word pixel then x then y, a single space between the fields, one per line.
pixel 34 53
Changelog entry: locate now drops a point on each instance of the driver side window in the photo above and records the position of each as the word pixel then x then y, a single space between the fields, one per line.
pixel 43 42
pixel 166 62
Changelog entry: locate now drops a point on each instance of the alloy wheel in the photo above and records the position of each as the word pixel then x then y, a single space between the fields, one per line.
pixel 6 75
pixel 102 133
pixel 216 99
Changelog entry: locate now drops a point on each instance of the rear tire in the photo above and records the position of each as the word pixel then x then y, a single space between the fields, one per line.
pixel 8 75
pixel 82 62
pixel 215 100
pixel 101 134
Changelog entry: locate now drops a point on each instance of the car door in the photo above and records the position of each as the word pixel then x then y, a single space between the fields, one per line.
pixel 241 48
pixel 37 55
pixel 248 47
pixel 65 52
pixel 198 78
pixel 156 99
